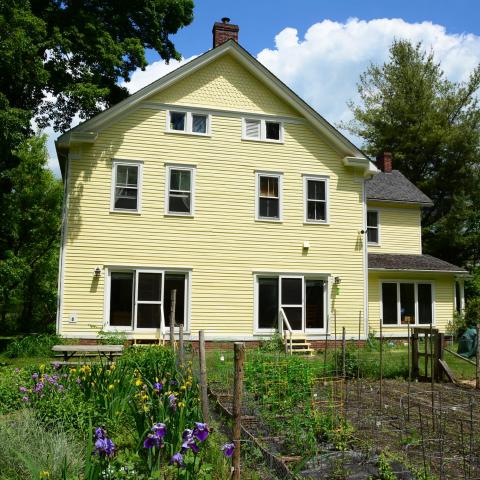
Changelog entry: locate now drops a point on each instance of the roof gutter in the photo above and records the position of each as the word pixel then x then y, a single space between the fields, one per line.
pixel 369 169
pixel 460 273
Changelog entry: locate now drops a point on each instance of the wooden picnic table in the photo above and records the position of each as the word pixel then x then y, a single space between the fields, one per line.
pixel 69 351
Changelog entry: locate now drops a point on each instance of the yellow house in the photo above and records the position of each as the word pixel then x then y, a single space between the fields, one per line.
pixel 219 183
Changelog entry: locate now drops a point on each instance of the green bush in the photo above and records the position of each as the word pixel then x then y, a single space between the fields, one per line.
pixel 32 346
pixel 273 344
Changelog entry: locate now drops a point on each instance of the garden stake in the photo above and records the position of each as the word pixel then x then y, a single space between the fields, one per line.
pixel 381 367
pixel 409 371
pixel 423 442
pixel 237 406
pixel 463 452
pixel 173 304
pixel 325 355
pixel 335 340
pixel 203 375
pixel 181 351
pixel 344 348
pixel 432 375
pixel 477 360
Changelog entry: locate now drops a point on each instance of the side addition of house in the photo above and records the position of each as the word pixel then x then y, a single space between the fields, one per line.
pixel 219 183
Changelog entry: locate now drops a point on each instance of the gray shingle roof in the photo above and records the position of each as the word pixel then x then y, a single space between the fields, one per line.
pixel 395 187
pixel 390 261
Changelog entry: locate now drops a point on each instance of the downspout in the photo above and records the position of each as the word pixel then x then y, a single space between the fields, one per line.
pixel 365 257
pixel 61 260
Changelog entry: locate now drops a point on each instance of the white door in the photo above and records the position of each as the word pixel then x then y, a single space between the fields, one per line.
pixel 291 300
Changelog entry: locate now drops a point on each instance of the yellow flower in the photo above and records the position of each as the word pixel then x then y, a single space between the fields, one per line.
pixel 111 386
pixel 73 370
pixel 183 387
pixel 42 367
pixel 138 382
pixel 146 408
pixel 181 404
pixel 44 474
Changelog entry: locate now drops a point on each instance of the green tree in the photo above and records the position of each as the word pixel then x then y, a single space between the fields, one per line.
pixel 432 127
pixel 28 269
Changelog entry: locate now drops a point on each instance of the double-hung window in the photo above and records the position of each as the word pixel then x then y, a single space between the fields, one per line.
pixel 180 190
pixel 188 122
pixel 269 196
pixel 316 205
pixel 126 186
pixel 373 227
pixel 262 130
pixel 139 298
pixel 407 303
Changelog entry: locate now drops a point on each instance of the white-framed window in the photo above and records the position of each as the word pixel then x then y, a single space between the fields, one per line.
pixel 126 186
pixel 303 299
pixel 194 123
pixel 138 298
pixel 180 190
pixel 373 227
pixel 315 189
pixel 268 204
pixel 262 130
pixel 406 302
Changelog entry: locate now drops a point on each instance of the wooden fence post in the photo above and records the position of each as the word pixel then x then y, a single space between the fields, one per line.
pixel 381 366
pixel 344 352
pixel 415 369
pixel 477 362
pixel 203 375
pixel 173 305
pixel 237 406
pixel 181 351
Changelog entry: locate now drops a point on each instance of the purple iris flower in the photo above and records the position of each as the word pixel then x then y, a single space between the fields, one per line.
pixel 159 429
pixel 152 441
pixel 17 370
pixel 34 376
pixel 228 449
pixel 189 442
pixel 172 401
pixel 157 386
pixel 201 431
pixel 177 459
pixel 173 382
pixel 100 433
pixel 38 387
pixel 23 389
pixel 78 381
pixel 25 399
pixel 104 446
pixel 56 366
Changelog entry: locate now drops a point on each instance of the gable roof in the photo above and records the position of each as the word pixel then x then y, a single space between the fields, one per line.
pixel 395 187
pixel 423 263
pixel 86 131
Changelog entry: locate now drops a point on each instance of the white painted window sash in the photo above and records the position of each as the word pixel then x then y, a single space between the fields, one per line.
pixel 317 178
pixel 128 163
pixel 188 125
pixel 169 191
pixel 279 197
pixel 262 137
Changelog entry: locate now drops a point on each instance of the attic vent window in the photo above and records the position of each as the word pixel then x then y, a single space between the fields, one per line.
pixel 188 122
pixel 262 130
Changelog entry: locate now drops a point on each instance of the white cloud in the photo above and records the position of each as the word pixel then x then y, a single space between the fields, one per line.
pixel 323 67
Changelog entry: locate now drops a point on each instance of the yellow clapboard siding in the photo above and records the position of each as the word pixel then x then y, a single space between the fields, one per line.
pixel 400 228
pixel 443 296
pixel 222 244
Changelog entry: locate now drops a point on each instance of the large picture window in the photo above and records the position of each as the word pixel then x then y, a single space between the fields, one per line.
pixel 126 186
pixel 137 298
pixel 303 300
pixel 407 303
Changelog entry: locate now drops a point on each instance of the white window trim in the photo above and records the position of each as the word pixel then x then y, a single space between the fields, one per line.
pixel 263 130
pixel 189 123
pixel 132 163
pixel 416 283
pixel 379 242
pixel 326 179
pixel 278 175
pixel 193 173
pixel 134 270
pixel 305 277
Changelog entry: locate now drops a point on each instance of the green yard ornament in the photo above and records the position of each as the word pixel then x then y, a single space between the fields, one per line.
pixel 467 345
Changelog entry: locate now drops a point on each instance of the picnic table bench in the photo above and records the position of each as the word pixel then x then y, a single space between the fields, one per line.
pixel 81 351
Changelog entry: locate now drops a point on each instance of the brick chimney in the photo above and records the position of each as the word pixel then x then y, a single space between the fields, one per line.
pixel 384 162
pixel 223 31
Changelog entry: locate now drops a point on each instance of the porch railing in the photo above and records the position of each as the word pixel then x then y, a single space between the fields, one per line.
pixel 285 329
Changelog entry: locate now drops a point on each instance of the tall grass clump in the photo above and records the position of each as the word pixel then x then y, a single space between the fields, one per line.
pixel 32 346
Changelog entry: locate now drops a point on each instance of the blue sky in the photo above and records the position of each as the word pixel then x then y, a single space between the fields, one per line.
pixel 261 20
pixel 320 48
